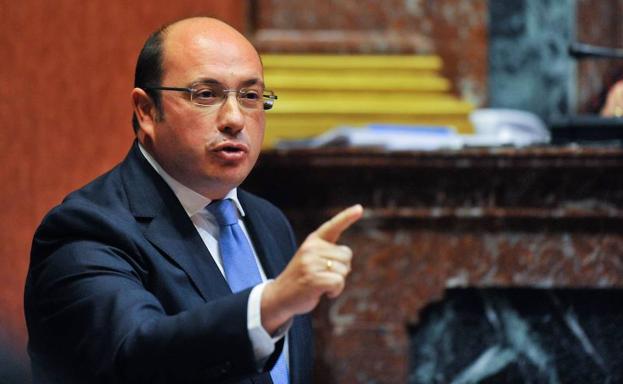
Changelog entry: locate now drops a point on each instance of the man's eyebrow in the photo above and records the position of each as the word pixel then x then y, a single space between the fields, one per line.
pixel 206 80
pixel 245 83
pixel 254 81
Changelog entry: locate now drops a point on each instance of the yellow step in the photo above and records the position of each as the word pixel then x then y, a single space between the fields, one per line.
pixel 349 83
pixel 387 107
pixel 318 92
pixel 302 72
pixel 367 95
pixel 320 61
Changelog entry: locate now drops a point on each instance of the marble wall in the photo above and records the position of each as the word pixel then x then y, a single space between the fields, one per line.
pixel 545 218
pixel 529 67
pixel 520 336
pixel 529 64
pixel 598 22
pixel 499 53
pixel 455 30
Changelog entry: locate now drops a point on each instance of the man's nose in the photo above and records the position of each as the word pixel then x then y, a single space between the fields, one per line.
pixel 230 118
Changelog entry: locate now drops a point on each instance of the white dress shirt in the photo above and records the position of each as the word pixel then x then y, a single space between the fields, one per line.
pixel 195 206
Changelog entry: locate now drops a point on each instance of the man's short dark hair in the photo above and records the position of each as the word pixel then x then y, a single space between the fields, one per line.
pixel 149 71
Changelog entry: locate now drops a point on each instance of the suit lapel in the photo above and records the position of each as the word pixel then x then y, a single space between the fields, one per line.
pixel 176 236
pixel 170 228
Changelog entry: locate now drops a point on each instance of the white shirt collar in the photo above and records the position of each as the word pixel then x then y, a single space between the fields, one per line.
pixel 192 201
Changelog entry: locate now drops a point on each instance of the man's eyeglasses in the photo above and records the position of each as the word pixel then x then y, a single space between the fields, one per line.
pixel 211 95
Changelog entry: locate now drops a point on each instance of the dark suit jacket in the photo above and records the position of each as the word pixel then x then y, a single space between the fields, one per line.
pixel 121 289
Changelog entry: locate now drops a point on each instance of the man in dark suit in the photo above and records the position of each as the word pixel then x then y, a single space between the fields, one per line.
pixel 129 282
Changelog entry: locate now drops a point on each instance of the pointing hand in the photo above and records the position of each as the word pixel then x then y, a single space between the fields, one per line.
pixel 318 268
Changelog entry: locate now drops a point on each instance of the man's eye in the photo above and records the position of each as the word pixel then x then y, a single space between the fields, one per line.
pixel 204 93
pixel 251 95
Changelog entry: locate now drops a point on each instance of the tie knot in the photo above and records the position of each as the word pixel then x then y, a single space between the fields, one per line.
pixel 224 211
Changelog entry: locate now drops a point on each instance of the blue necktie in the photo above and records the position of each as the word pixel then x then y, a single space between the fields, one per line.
pixel 239 263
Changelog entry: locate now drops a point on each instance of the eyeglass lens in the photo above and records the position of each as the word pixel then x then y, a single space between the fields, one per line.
pixel 209 95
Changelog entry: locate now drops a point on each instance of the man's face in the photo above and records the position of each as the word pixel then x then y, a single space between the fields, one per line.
pixel 213 149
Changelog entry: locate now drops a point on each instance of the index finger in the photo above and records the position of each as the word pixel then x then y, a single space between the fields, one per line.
pixel 332 229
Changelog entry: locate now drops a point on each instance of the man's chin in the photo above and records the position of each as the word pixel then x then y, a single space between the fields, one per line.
pixel 229 179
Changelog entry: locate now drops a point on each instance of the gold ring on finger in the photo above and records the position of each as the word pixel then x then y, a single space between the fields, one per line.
pixel 329 265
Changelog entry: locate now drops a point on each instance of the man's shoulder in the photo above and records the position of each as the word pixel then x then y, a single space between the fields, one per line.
pixel 101 205
pixel 98 204
pixel 113 193
pixel 104 190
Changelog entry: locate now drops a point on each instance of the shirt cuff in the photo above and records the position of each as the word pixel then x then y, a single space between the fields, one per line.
pixel 263 343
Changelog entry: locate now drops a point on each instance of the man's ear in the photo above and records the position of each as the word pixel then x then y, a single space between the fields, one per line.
pixel 145 112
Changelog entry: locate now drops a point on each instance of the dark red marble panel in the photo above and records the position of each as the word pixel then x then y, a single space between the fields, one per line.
pixel 541 217
pixel 599 23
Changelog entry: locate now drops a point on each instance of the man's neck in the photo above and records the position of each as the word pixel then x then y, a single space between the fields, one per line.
pixel 191 200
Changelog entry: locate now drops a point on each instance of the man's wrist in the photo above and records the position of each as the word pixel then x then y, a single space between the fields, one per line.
pixel 273 315
pixel 262 341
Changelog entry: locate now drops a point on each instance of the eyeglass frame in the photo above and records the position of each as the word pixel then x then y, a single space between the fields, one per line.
pixel 267 104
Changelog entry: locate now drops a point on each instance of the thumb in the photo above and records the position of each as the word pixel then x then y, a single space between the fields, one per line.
pixel 333 228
